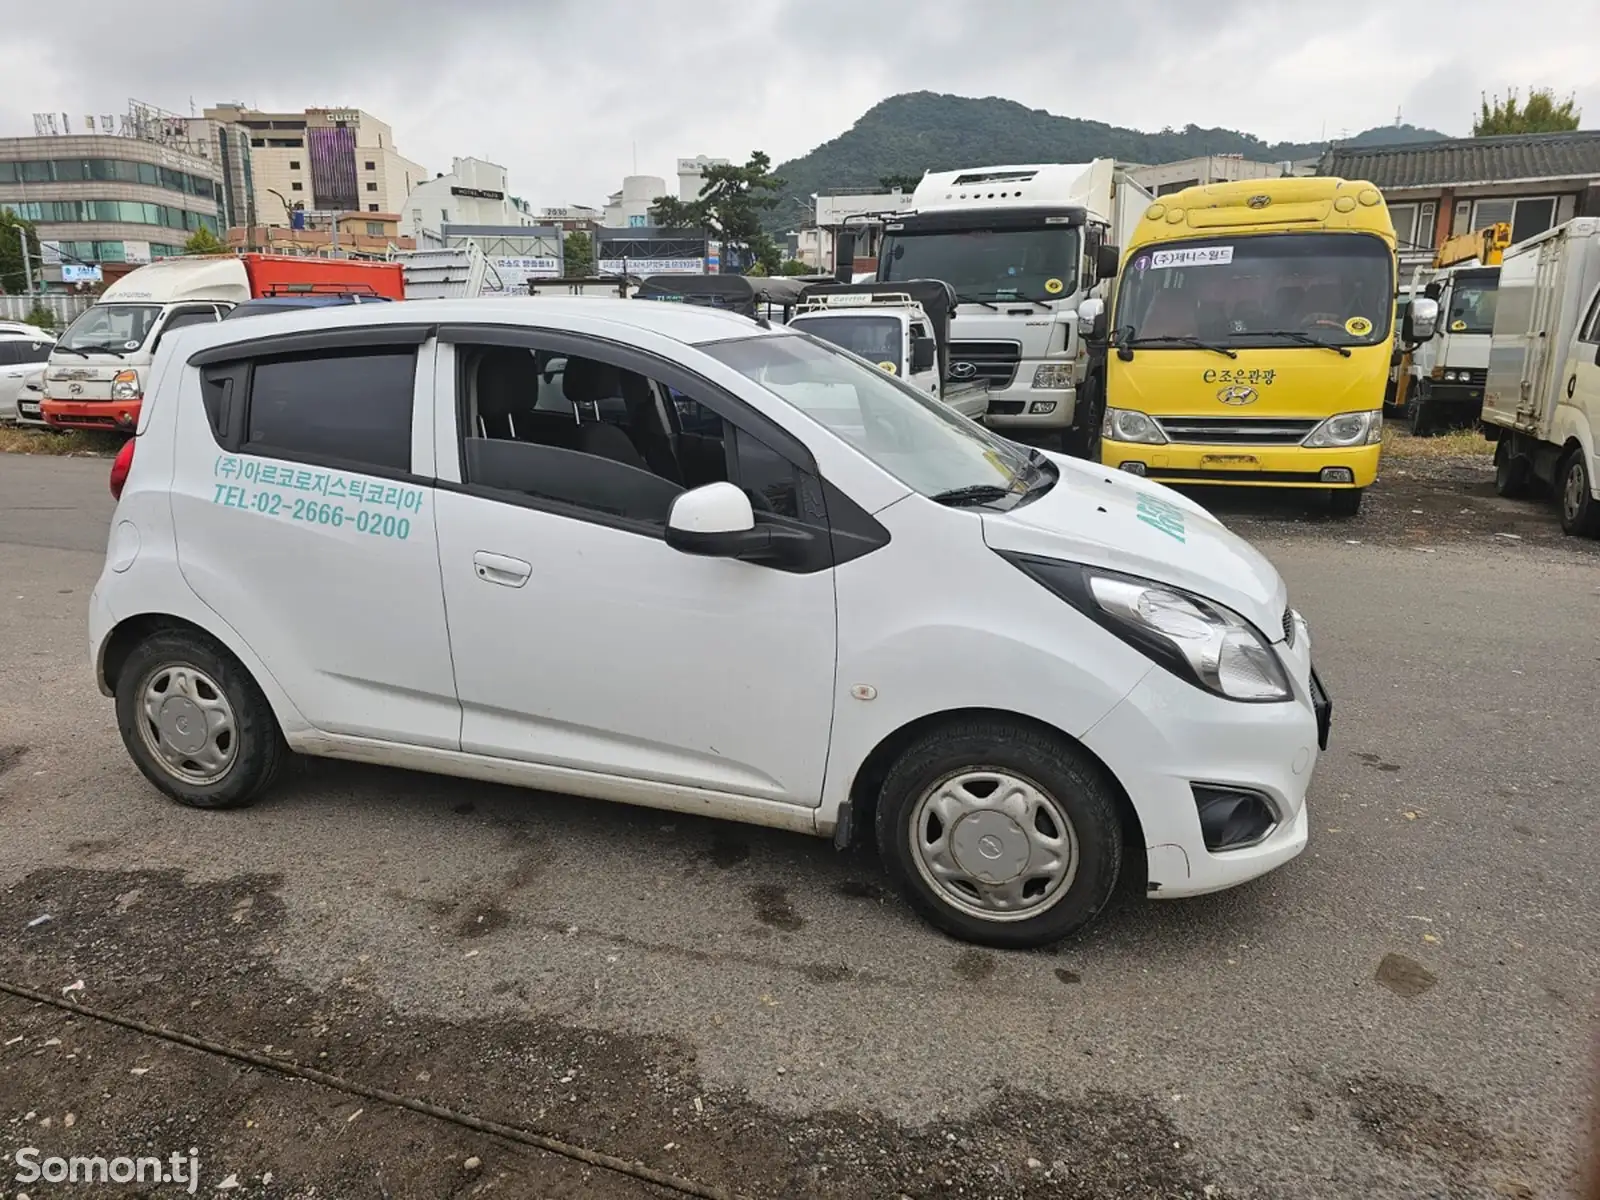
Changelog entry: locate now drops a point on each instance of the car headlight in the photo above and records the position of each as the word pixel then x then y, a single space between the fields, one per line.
pixel 1347 429
pixel 1197 639
pixel 125 385
pixel 1126 425
pixel 1052 375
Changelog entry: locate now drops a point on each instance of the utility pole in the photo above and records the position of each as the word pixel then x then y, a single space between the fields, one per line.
pixel 27 263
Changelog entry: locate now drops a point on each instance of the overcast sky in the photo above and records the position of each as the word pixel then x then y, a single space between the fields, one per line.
pixel 562 91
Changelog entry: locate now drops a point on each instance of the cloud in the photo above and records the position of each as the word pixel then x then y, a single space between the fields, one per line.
pixel 566 92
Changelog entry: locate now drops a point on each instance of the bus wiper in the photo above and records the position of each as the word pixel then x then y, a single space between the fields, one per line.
pixel 1185 341
pixel 1304 339
pixel 978 493
pixel 960 299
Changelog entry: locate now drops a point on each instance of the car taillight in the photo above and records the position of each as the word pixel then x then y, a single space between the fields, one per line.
pixel 120 466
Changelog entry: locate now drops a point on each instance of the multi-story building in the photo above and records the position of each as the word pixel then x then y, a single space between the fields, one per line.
pixel 692 172
pixel 360 235
pixel 105 198
pixel 570 217
pixel 321 159
pixel 474 193
pixel 630 207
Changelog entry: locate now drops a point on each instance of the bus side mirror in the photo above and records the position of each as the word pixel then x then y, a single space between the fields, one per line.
pixel 924 354
pixel 1106 261
pixel 1092 319
pixel 1422 316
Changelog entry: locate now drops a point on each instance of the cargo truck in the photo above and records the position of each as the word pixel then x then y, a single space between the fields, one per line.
pixel 1448 371
pixel 1541 406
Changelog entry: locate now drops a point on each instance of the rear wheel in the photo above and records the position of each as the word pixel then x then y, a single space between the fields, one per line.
pixel 1345 502
pixel 1512 472
pixel 1580 515
pixel 195 722
pixel 1419 413
pixel 1000 833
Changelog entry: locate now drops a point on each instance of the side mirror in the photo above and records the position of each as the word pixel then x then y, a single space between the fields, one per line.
pixel 924 354
pixel 1092 318
pixel 1106 261
pixel 1422 317
pixel 717 521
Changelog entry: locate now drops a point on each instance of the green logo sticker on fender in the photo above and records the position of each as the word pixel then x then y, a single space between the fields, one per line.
pixel 1158 514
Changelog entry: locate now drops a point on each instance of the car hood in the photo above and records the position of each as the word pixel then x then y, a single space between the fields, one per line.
pixel 1107 518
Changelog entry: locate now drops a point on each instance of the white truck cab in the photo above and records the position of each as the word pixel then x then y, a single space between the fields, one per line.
pixel 380 532
pixel 1022 246
pixel 1450 369
pixel 893 331
pixel 1542 403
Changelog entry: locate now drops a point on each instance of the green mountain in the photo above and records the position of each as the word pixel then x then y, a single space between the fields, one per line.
pixel 918 131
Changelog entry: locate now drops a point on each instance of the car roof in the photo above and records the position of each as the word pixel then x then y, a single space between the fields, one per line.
pixel 690 324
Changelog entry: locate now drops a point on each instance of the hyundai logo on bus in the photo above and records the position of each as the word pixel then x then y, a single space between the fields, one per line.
pixel 1238 395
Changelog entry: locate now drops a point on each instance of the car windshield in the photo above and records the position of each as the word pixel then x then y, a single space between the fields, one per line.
pixel 988 264
pixel 1259 290
pixel 876 339
pixel 916 439
pixel 118 326
pixel 1472 301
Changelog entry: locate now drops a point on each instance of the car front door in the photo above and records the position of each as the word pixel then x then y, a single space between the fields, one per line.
pixel 581 640
pixel 304 507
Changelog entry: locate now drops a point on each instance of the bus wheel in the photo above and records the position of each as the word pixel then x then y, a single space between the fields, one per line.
pixel 1345 502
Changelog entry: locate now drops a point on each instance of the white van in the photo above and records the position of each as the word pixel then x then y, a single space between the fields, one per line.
pixel 381 533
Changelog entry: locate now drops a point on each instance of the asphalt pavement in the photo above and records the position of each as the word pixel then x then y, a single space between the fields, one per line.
pixel 1407 1010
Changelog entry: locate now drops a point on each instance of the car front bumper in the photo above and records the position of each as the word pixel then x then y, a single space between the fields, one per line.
pixel 1167 736
pixel 1013 407
pixel 1244 466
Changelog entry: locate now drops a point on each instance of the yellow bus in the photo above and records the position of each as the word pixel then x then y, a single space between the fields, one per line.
pixel 1252 336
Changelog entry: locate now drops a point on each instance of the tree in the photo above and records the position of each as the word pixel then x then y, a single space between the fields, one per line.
pixel 793 266
pixel 12 277
pixel 579 253
pixel 203 241
pixel 899 183
pixel 1541 114
pixel 41 316
pixel 730 206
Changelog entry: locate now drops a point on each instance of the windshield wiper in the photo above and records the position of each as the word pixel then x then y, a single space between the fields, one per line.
pixel 1186 341
pixel 960 299
pixel 1018 297
pixel 978 493
pixel 72 350
pixel 1304 339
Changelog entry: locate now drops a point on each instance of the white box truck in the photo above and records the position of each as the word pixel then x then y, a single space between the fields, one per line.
pixel 1542 403
pixel 1022 246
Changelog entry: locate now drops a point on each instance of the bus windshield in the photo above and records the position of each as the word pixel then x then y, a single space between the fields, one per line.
pixel 1472 300
pixel 1259 290
pixel 988 264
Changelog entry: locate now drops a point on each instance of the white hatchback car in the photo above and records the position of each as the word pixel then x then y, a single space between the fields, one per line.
pixel 667 556
pixel 24 350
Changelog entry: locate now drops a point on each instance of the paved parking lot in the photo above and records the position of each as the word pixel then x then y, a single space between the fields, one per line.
pixel 1407 1010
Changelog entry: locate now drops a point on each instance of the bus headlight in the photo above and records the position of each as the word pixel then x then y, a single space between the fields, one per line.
pixel 1126 425
pixel 1347 429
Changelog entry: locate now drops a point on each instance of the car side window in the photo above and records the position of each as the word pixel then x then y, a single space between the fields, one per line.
pixel 10 352
pixel 349 405
pixel 621 445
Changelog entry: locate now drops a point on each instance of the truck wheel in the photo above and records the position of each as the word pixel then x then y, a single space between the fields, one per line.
pixel 195 722
pixel 1419 414
pixel 999 833
pixel 1511 471
pixel 1345 502
pixel 1083 439
pixel 1580 515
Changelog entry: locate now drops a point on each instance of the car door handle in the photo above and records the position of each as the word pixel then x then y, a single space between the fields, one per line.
pixel 502 569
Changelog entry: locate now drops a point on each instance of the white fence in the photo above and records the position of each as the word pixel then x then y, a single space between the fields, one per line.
pixel 63 308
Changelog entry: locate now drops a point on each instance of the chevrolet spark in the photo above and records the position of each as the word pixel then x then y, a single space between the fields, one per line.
pixel 671 557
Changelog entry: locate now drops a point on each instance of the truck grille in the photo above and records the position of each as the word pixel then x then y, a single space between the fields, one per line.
pixel 1236 431
pixel 992 361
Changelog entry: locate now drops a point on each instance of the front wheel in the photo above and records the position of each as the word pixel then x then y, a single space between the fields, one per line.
pixel 999 833
pixel 1580 515
pixel 1419 414
pixel 1345 502
pixel 196 723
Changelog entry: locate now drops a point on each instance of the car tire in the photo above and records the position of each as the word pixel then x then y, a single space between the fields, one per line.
pixel 1580 515
pixel 1512 472
pixel 1037 815
pixel 196 723
pixel 1345 502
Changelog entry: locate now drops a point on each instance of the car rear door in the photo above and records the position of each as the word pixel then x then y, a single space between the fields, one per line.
pixel 304 508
